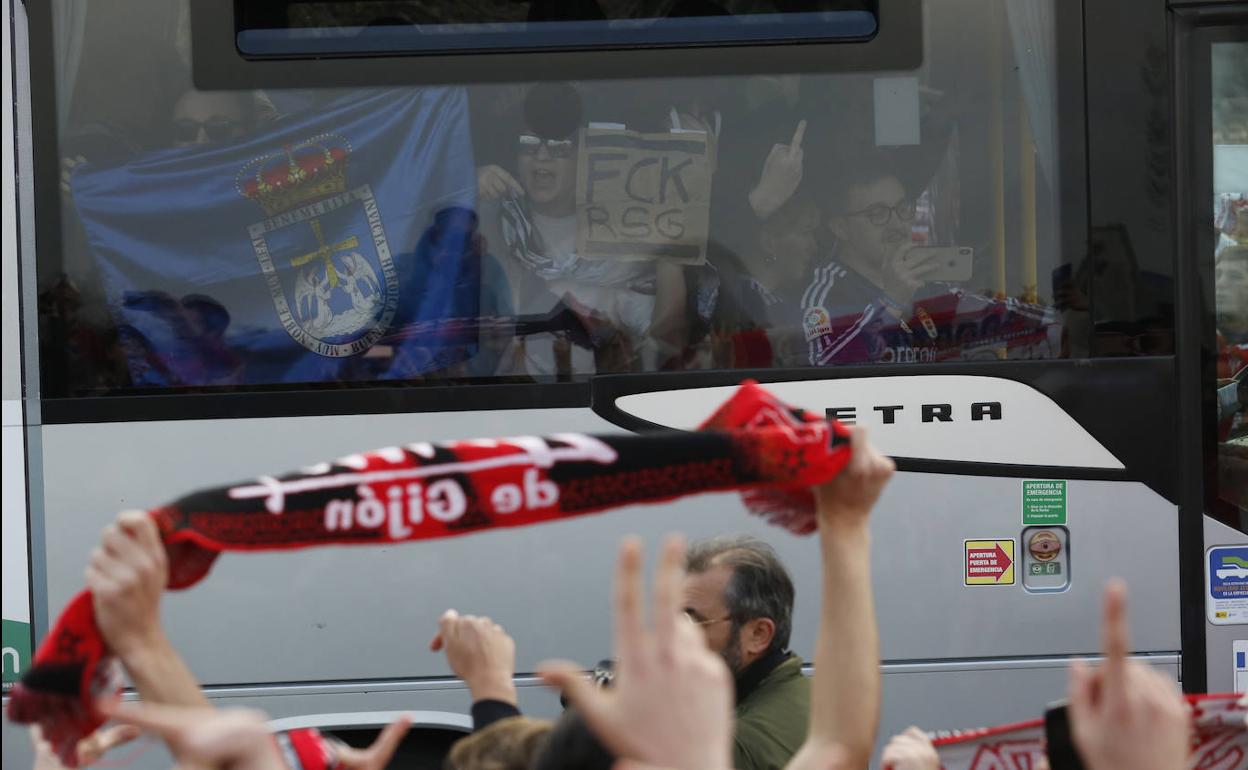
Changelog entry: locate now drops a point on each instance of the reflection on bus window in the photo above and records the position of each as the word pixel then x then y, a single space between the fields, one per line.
pixel 549 232
pixel 299 27
pixel 1230 139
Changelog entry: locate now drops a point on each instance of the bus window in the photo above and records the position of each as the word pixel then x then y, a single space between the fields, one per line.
pixel 299 27
pixel 545 232
pixel 1230 158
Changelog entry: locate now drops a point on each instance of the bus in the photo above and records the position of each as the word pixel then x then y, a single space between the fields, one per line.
pixel 242 238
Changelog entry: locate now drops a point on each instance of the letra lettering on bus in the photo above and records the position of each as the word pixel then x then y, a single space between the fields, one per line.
pixel 980 411
pixel 401 507
pixel 535 451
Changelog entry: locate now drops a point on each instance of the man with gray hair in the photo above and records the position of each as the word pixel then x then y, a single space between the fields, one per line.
pixel 741 596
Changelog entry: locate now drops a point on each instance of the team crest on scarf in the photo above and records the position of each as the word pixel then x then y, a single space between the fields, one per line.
pixel 323 249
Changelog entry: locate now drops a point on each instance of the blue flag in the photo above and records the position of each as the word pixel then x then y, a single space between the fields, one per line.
pixel 339 244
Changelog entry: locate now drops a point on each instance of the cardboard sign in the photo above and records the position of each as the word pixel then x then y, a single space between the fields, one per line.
pixel 643 196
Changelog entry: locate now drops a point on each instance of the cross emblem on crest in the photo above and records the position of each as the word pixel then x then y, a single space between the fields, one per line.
pixel 325 252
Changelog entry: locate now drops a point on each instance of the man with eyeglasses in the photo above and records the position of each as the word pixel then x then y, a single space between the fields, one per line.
pixel 860 305
pixel 741 596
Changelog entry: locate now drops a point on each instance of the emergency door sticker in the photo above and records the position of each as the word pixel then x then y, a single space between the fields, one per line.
pixel 1044 503
pixel 1226 602
pixel 1241 666
pixel 988 562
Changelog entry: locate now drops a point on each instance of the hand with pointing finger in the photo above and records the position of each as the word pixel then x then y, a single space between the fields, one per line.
pixel 782 173
pixel 1125 714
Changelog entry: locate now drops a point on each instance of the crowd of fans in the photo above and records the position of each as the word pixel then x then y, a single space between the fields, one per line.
pixel 702 680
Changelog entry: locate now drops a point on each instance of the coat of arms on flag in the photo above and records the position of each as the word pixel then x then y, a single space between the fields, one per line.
pixel 342 292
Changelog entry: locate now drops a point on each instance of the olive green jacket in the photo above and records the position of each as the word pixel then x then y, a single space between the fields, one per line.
pixel 772 719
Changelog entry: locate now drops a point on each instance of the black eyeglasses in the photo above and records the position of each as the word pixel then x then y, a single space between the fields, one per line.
pixel 216 129
pixel 694 619
pixel 529 144
pixel 880 213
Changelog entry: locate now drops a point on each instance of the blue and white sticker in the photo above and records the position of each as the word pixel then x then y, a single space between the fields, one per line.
pixel 1241 666
pixel 1226 602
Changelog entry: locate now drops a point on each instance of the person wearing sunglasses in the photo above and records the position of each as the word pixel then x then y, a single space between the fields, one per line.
pixel 630 311
pixel 211 117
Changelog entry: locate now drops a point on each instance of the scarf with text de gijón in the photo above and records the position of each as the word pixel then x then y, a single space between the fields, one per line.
pixel 754 443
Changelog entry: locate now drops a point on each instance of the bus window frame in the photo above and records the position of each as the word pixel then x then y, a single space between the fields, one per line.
pixel 1199 29
pixel 1194 29
pixel 218 64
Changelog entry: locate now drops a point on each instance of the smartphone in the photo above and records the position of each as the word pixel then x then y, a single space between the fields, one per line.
pixel 955 262
pixel 1060 747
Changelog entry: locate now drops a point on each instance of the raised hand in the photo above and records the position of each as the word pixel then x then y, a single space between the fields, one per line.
pixel 494 183
pixel 127 575
pixel 782 173
pixel 480 652
pixel 1125 714
pixel 849 498
pixel 904 278
pixel 671 705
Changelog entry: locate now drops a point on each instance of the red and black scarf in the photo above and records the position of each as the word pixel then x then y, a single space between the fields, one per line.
pixel 754 443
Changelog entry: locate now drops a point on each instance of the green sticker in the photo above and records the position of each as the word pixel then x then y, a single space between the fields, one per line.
pixel 1044 503
pixel 16 636
pixel 1052 568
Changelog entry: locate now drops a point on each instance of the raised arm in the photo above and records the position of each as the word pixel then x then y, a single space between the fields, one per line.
pixel 845 695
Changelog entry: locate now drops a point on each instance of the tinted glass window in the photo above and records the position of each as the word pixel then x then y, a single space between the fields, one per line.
pixel 1230 174
pixel 545 232
pixel 304 27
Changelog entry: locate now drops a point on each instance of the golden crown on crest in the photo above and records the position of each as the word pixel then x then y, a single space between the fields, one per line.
pixel 311 170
